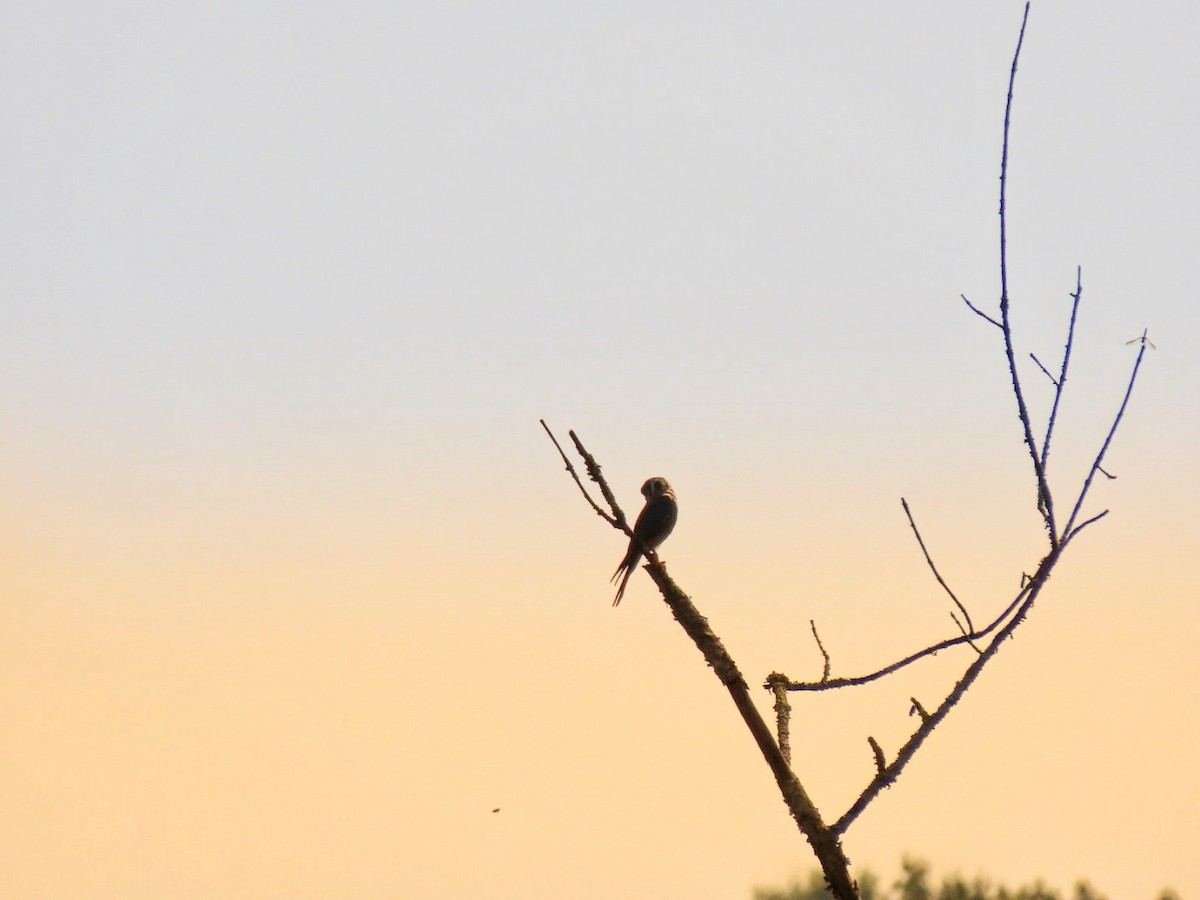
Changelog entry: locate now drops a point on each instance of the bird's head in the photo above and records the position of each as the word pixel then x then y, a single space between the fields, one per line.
pixel 656 487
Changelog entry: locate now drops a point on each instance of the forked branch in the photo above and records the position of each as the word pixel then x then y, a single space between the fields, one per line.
pixel 985 641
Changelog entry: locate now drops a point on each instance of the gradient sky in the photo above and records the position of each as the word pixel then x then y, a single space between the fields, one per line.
pixel 294 591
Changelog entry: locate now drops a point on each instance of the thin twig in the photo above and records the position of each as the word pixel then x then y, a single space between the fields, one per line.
pixel 1084 524
pixel 1087 484
pixel 880 761
pixel 1043 368
pixel 816 637
pixel 1062 377
pixel 1043 488
pixel 933 568
pixel 615 522
pixel 979 312
pixel 966 634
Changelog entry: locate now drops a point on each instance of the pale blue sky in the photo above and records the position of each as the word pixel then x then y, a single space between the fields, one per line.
pixel 541 208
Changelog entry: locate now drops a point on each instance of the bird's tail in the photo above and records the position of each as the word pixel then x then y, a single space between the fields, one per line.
pixel 624 581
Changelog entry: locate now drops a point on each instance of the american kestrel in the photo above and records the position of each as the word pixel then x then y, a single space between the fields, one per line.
pixel 654 523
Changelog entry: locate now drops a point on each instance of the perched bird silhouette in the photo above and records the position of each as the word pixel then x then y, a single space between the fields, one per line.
pixel 654 523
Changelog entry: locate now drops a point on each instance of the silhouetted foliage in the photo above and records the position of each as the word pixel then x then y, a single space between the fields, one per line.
pixel 914 884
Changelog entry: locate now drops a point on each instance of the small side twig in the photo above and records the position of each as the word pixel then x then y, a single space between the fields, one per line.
pixel 1087 484
pixel 816 637
pixel 611 520
pixel 1061 381
pixel 932 650
pixel 966 634
pixel 918 709
pixel 1045 371
pixel 936 574
pixel 880 760
pixel 1084 524
pixel 979 312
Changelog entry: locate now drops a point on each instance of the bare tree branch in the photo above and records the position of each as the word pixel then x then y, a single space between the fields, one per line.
pixel 593 470
pixel 776 749
pixel 825 843
pixel 930 721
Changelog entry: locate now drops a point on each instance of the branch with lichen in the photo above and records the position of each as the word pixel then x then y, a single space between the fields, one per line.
pixel 820 835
